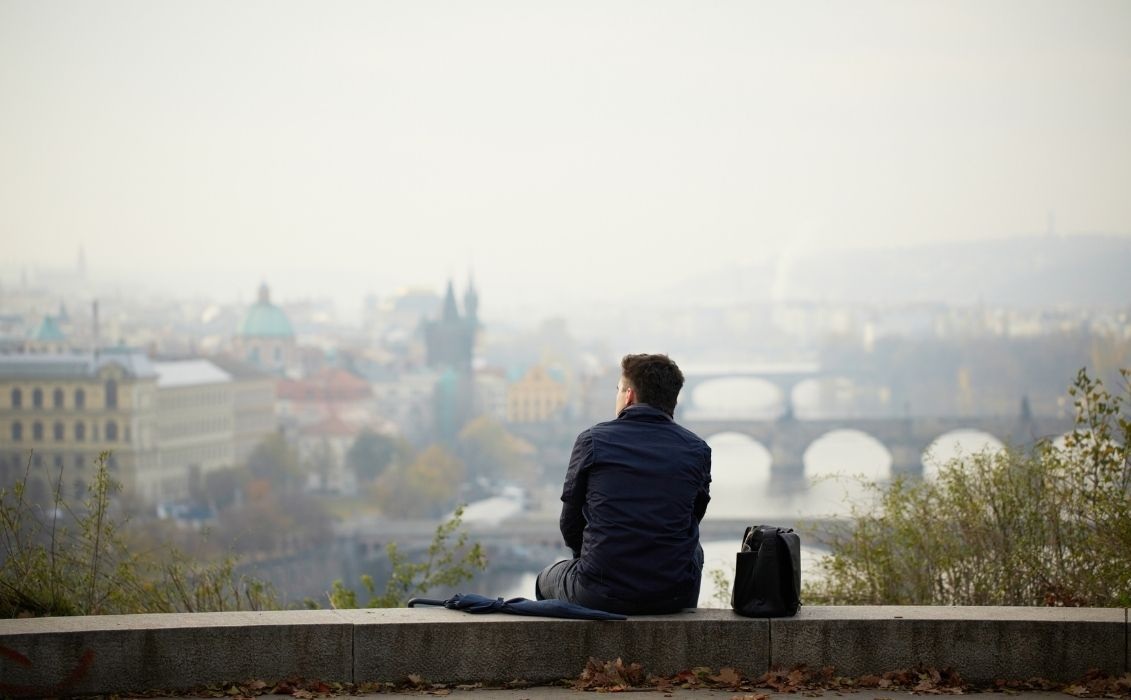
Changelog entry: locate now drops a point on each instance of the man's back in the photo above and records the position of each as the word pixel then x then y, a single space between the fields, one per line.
pixel 636 490
pixel 634 494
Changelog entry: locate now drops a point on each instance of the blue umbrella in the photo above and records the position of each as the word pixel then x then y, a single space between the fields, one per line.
pixel 551 607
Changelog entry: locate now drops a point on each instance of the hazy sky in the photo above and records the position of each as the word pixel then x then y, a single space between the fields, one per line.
pixel 570 150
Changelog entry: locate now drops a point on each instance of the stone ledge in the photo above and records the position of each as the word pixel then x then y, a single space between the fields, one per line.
pixel 117 654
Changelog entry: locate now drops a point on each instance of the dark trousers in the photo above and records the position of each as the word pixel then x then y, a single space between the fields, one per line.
pixel 560 580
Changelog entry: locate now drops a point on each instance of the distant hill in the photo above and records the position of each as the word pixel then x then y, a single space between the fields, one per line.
pixel 1081 270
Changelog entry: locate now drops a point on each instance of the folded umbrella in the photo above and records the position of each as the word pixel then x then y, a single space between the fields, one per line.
pixel 551 607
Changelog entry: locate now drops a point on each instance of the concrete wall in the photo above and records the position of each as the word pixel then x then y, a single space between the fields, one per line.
pixel 118 654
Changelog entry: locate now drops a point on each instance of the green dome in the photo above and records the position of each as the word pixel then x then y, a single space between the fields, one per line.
pixel 265 320
pixel 48 331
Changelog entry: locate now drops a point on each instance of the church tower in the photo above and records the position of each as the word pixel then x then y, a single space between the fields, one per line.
pixel 451 342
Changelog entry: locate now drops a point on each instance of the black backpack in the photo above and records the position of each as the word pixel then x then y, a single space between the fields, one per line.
pixel 767 575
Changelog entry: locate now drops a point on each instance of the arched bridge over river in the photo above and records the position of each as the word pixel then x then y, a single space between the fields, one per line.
pixel 787 434
pixel 906 439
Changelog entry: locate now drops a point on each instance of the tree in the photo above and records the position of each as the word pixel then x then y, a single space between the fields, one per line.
pixel 275 462
pixel 448 563
pixel 1047 527
pixel 426 488
pixel 223 487
pixel 491 452
pixel 372 453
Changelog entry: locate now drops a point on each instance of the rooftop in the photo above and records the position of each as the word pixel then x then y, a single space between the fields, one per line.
pixel 180 373
pixel 76 365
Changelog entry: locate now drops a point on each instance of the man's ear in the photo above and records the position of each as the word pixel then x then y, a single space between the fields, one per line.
pixel 630 396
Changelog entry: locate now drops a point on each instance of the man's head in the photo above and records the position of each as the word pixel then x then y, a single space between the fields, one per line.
pixel 651 379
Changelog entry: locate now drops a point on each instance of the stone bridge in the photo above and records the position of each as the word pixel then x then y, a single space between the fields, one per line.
pixel 784 377
pixel 905 438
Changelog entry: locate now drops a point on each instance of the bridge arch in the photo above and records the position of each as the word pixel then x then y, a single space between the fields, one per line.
pixel 956 443
pixel 746 398
pixel 838 467
pixel 740 476
pixel 824 397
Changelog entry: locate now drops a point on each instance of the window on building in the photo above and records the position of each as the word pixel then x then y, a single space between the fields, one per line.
pixel 80 398
pixel 37 431
pixel 111 431
pixel 112 463
pixel 80 488
pixel 17 398
pixel 37 398
pixel 111 393
pixel 17 431
pixel 80 431
pixel 57 398
pixel 58 461
pixel 58 430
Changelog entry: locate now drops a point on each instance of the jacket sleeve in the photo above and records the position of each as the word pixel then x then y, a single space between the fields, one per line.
pixel 703 496
pixel 573 492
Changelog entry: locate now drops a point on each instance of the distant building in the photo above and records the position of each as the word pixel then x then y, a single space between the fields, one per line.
pixel 450 342
pixel 266 338
pixel 491 394
pixel 323 446
pixel 195 428
pixel 537 397
pixel 47 337
pixel 64 409
pixel 332 392
pixel 253 400
pixel 407 401
pixel 451 338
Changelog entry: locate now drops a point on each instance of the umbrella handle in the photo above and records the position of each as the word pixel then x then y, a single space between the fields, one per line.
pixel 413 602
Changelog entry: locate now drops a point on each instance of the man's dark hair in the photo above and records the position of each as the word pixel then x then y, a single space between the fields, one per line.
pixel 656 379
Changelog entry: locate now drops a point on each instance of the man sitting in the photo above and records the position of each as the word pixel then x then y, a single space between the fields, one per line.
pixel 634 494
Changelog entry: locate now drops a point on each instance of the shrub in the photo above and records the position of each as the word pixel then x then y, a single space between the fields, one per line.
pixel 72 560
pixel 449 563
pixel 1050 526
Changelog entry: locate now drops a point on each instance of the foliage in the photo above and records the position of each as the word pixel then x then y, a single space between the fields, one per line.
pixel 489 451
pixel 722 580
pixel 426 488
pixel 448 563
pixel 72 560
pixel 277 523
pixel 222 487
pixel 372 453
pixel 275 462
pixel 1046 527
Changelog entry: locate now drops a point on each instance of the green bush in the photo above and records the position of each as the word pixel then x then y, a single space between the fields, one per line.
pixel 449 563
pixel 71 559
pixel 1049 526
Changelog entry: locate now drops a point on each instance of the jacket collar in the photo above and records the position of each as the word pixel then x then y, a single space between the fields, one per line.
pixel 643 411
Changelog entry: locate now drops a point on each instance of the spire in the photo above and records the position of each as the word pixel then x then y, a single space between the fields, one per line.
pixel 471 301
pixel 451 313
pixel 264 294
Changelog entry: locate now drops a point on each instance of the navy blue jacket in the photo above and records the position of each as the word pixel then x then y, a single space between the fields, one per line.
pixel 634 494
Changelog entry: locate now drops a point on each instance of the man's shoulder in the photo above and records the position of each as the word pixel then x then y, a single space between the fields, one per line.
pixel 610 428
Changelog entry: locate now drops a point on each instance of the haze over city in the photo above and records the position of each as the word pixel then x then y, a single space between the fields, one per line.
pixel 563 153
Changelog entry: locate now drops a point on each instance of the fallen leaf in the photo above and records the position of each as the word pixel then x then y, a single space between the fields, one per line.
pixel 728 676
